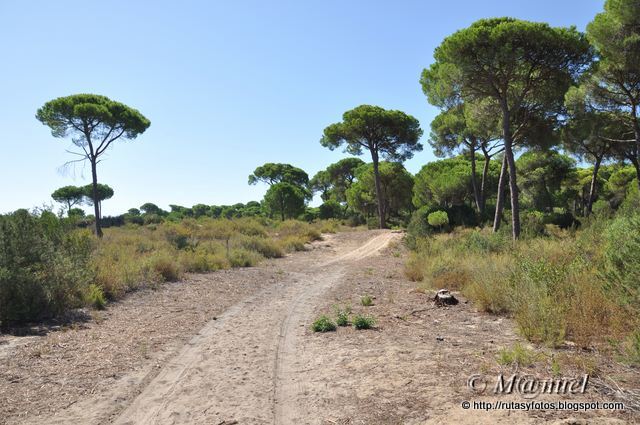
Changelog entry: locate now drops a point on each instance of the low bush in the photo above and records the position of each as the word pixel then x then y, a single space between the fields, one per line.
pixel 518 355
pixel 95 297
pixel 418 226
pixel 44 266
pixel 293 243
pixel 363 322
pixel 323 324
pixel 373 223
pixel 489 288
pixel 621 253
pixel 342 316
pixel 298 229
pixel 366 301
pixel 240 257
pixel 267 247
pixel 166 267
pixel 202 261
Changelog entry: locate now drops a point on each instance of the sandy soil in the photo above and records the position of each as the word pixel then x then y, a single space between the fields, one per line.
pixel 236 347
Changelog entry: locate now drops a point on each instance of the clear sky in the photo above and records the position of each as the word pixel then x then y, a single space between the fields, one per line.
pixel 227 85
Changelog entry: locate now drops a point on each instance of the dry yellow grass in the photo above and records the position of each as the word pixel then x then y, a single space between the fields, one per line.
pixel 132 256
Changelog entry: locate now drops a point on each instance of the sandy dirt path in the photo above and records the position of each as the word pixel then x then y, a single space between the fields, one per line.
pixel 242 365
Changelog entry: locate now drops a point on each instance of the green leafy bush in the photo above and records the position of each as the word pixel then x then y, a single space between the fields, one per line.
pixel 323 324
pixel 418 226
pixel 342 316
pixel 363 322
pixel 44 266
pixel 438 219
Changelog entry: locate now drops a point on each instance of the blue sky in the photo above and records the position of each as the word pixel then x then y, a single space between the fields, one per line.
pixel 227 85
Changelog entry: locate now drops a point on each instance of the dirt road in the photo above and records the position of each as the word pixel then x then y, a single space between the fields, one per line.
pixel 240 366
pixel 235 347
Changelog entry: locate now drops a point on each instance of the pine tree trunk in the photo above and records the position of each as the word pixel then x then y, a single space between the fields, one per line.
pixel 474 180
pixel 592 187
pixel 483 182
pixel 96 204
pixel 511 163
pixel 380 201
pixel 497 219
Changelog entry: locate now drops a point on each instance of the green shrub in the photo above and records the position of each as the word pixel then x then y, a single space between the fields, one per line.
pixel 622 259
pixel 265 246
pixel 631 203
pixel 167 267
pixel 580 285
pixel 438 219
pixel 240 257
pixel 363 322
pixel 538 300
pixel 44 266
pixel 298 228
pixel 250 227
pixel 354 220
pixel 462 215
pixel 491 289
pixel 330 209
pixel 323 324
pixel 310 214
pixel 413 268
pixel 96 298
pixel 418 226
pixel 342 316
pixel 293 243
pixel 487 242
pixel 328 226
pixel 532 224
pixel 201 261
pixel 177 236
pixel 518 355
pixel 366 301
pixel 563 220
pixel 152 219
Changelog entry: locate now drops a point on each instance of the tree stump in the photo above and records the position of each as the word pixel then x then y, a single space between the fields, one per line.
pixel 443 297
